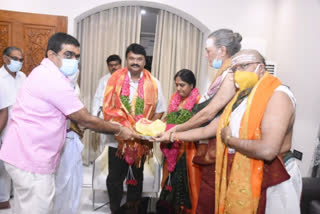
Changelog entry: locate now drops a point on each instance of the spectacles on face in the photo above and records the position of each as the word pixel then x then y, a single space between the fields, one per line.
pixel 71 55
pixel 243 67
pixel 16 58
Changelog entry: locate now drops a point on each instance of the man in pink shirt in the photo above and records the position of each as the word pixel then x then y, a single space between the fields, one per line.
pixel 37 128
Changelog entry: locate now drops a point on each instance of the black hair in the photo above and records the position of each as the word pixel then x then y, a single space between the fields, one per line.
pixel 186 76
pixel 113 57
pixel 56 40
pixel 136 49
pixel 9 49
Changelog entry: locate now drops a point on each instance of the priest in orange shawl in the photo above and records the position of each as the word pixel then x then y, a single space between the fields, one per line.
pixel 255 169
pixel 132 93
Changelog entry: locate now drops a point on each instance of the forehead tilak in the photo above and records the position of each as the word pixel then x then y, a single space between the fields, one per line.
pixel 209 43
pixel 245 58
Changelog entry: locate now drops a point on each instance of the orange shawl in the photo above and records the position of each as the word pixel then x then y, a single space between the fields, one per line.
pixel 241 194
pixel 114 110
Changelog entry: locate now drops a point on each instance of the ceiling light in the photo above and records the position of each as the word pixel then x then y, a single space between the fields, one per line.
pixel 143 12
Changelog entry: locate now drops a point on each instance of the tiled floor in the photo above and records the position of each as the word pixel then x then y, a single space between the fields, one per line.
pixel 86 197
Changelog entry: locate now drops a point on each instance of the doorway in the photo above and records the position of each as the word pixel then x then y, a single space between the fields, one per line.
pixel 30 32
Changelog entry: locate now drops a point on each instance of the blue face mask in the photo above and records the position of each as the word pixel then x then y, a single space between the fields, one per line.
pixel 217 63
pixel 69 66
pixel 14 66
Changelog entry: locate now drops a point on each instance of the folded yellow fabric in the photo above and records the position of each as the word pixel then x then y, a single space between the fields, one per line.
pixel 150 128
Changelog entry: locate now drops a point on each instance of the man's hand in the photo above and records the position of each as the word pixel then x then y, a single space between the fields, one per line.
pixel 226 134
pixel 127 134
pixel 3 118
pixel 163 137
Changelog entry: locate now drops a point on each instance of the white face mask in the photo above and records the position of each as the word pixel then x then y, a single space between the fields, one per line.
pixel 73 78
pixel 69 67
pixel 14 65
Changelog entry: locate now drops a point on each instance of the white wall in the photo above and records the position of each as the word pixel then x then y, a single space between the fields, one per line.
pixel 286 32
pixel 244 16
pixel 295 47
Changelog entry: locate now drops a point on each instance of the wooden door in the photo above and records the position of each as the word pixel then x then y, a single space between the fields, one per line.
pixel 29 32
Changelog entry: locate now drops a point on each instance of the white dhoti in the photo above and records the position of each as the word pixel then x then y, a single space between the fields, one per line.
pixel 33 192
pixel 285 197
pixel 69 176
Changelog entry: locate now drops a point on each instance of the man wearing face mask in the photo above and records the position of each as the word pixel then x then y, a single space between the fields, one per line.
pixel 255 137
pixel 11 78
pixel 37 129
pixel 114 63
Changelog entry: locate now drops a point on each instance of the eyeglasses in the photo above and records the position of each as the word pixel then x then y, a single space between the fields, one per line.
pixel 71 55
pixel 16 58
pixel 242 67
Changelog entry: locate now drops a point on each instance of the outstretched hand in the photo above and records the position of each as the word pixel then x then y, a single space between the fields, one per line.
pixel 128 134
pixel 162 137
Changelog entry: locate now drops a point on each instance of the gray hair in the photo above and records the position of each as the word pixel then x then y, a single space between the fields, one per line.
pixel 8 50
pixel 227 38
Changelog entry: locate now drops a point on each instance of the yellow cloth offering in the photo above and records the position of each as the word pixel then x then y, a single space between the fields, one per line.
pixel 150 128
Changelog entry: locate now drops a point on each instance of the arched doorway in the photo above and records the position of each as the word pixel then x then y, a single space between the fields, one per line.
pixel 109 29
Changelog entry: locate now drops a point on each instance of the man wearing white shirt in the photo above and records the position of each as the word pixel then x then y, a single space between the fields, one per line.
pixel 11 78
pixel 114 63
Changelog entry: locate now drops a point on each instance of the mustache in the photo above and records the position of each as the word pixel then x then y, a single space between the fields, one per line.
pixel 135 65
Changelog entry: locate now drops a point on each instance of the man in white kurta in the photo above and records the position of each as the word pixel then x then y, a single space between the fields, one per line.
pixel 11 78
pixel 114 63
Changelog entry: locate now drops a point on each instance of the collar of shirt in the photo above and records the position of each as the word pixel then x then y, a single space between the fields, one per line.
pixel 131 81
pixel 5 74
pixel 52 67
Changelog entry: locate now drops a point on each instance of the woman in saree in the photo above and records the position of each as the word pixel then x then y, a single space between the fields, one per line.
pixel 181 178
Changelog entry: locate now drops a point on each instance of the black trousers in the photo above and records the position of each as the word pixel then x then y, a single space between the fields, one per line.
pixel 118 169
